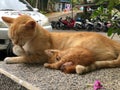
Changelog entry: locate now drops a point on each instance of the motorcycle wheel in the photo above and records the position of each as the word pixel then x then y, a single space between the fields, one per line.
pixel 78 27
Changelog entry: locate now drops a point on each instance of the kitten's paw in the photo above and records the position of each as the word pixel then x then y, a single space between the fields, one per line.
pixel 80 69
pixel 46 65
pixel 63 67
pixel 8 60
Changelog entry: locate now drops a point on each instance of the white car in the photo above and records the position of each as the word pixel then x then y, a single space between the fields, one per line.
pixel 14 8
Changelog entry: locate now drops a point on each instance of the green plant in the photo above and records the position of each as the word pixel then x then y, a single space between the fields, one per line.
pixel 107 14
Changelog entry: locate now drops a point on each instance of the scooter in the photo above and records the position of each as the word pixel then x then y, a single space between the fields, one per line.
pixel 79 24
pixel 68 23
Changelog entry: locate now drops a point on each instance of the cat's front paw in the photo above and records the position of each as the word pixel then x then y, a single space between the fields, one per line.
pixel 67 64
pixel 17 50
pixel 8 60
pixel 46 65
pixel 80 69
pixel 52 66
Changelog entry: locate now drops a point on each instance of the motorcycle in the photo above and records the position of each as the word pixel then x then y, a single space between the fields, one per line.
pixel 89 25
pixel 68 23
pixel 79 24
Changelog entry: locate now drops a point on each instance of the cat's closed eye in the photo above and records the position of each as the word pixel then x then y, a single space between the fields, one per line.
pixel 58 58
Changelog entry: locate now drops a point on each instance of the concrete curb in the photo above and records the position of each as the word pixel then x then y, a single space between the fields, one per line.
pixel 18 80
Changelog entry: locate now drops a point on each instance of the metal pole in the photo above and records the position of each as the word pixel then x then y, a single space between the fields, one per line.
pixel 42 5
pixel 72 9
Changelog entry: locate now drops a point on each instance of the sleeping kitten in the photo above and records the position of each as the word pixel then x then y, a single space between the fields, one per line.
pixel 67 59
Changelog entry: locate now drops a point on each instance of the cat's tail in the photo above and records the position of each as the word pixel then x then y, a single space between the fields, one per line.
pixel 98 65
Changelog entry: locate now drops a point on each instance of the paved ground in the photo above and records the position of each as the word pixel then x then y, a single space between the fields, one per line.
pixel 8 84
pixel 47 79
pixel 55 16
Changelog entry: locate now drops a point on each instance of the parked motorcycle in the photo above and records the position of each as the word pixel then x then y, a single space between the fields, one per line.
pixel 79 24
pixel 89 25
pixel 96 24
pixel 68 23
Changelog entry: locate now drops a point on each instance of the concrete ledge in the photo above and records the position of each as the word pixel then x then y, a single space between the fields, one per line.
pixel 8 84
pixel 21 82
pixel 36 77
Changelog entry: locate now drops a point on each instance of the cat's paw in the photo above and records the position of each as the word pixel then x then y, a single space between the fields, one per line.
pixel 17 50
pixel 66 64
pixel 46 65
pixel 8 60
pixel 80 69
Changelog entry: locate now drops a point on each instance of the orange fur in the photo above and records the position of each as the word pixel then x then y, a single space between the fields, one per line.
pixel 30 40
pixel 77 55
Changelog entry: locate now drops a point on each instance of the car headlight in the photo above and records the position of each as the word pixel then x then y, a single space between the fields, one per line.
pixel 2 25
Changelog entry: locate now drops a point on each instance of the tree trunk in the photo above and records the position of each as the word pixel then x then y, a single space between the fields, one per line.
pixel 85 8
pixel 36 5
pixel 51 5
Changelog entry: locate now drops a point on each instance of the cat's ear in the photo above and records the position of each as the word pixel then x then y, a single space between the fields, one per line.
pixel 8 20
pixel 51 52
pixel 31 24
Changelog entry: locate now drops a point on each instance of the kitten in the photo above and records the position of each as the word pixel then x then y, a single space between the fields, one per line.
pixel 67 59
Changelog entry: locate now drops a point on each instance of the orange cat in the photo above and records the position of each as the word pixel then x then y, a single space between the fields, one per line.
pixel 67 59
pixel 30 40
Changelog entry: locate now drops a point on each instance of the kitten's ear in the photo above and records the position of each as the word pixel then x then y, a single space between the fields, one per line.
pixel 30 24
pixel 8 20
pixel 51 52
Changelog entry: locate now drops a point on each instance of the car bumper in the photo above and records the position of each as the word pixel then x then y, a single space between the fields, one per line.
pixel 3 33
pixel 4 41
pixel 48 28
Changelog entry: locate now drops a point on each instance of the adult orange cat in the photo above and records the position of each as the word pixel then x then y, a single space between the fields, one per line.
pixel 30 40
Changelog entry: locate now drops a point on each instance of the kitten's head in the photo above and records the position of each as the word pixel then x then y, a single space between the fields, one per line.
pixel 54 55
pixel 21 29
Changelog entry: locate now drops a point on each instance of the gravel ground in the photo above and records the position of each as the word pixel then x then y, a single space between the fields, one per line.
pixel 48 79
pixel 8 84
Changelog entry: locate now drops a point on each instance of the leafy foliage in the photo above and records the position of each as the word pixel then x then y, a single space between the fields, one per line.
pixel 107 15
